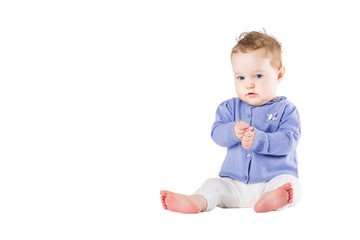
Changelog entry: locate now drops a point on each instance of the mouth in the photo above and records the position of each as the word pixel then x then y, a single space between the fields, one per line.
pixel 251 94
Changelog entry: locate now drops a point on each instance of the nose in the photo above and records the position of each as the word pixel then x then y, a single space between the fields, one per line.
pixel 250 85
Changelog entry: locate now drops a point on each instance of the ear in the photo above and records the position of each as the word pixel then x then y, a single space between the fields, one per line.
pixel 281 73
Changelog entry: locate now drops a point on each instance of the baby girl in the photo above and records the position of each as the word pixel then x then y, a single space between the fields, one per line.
pixel 260 131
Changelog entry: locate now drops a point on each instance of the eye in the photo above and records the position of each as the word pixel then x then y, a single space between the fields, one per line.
pixel 258 76
pixel 240 78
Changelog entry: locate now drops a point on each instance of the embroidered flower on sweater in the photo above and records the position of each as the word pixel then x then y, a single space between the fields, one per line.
pixel 271 117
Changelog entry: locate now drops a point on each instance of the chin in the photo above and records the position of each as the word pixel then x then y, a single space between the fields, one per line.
pixel 252 101
pixel 255 103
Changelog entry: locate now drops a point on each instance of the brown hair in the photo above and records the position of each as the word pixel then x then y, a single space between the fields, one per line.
pixel 250 41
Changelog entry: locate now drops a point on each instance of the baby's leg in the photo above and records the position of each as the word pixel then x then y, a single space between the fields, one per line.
pixel 221 192
pixel 280 192
pixel 183 203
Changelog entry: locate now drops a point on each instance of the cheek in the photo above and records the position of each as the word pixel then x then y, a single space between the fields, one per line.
pixel 269 85
pixel 274 85
pixel 239 88
pixel 270 89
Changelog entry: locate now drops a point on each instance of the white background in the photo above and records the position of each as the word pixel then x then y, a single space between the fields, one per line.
pixel 105 103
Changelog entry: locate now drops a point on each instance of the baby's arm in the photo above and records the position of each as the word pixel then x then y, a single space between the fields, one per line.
pixel 223 129
pixel 282 142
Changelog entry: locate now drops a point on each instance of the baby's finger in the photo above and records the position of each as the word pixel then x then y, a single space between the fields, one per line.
pixel 246 146
pixel 249 134
pixel 250 129
pixel 237 126
pixel 248 139
pixel 239 131
pixel 242 125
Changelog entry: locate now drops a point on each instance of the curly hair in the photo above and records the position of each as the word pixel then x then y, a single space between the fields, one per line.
pixel 250 41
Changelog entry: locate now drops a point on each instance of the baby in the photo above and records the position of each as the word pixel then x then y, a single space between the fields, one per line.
pixel 261 132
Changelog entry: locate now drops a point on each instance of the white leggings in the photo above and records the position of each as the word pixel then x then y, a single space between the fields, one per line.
pixel 229 193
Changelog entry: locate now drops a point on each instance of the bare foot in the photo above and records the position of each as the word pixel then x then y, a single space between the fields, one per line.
pixel 183 203
pixel 275 199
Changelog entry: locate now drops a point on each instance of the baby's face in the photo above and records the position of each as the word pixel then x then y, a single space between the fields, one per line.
pixel 256 80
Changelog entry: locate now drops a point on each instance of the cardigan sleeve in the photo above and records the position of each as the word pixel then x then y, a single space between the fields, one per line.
pixel 223 128
pixel 282 142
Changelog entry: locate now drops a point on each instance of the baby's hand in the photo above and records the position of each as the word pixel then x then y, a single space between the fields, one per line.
pixel 240 128
pixel 248 138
